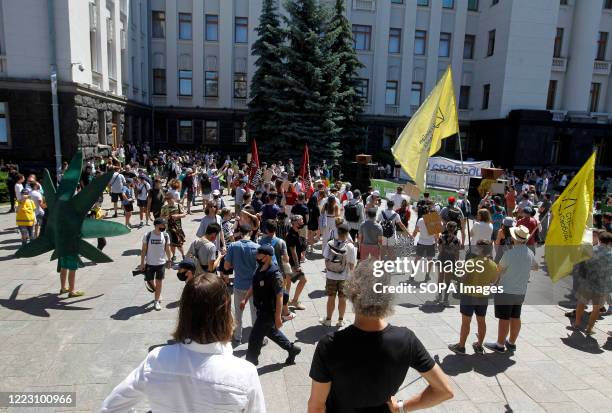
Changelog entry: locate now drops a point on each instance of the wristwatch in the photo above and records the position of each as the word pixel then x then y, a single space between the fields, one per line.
pixel 400 404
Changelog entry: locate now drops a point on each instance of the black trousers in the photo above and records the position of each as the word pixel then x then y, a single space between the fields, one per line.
pixel 264 327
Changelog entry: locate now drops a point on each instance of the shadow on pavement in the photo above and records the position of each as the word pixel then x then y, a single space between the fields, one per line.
pixel 8 231
pixel 270 368
pixel 10 241
pixel 583 343
pixel 489 365
pixel 317 294
pixel 38 306
pixel 10 247
pixel 312 334
pixel 129 312
pixel 129 253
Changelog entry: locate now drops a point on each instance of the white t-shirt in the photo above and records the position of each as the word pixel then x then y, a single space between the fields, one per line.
pixel 395 218
pixel 18 189
pixel 117 183
pixel 481 231
pixel 142 190
pixel 351 258
pixel 175 194
pixel 397 199
pixel 424 237
pixel 37 198
pixel 156 249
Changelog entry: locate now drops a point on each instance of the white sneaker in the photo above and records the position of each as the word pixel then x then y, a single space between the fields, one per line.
pixel 157 306
pixel 341 322
pixel 160 299
pixel 324 321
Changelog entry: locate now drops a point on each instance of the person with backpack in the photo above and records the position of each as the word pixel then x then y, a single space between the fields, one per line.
pixel 426 245
pixel 451 213
pixel 463 203
pixel 388 220
pixel 203 251
pixel 142 195
pixel 354 214
pixel 155 257
pixel 340 260
pixel 370 236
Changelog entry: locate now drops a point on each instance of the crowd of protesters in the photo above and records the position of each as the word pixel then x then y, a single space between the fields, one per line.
pixel 257 229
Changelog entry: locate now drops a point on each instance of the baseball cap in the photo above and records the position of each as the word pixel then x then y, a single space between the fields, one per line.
pixel 266 249
pixel 508 222
pixel 160 221
pixel 187 264
pixel 461 191
pixel 451 199
pixel 375 193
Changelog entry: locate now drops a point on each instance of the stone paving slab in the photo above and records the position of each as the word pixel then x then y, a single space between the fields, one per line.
pixel 90 344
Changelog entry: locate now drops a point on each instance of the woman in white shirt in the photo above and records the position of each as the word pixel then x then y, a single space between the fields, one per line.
pixel 482 228
pixel 199 373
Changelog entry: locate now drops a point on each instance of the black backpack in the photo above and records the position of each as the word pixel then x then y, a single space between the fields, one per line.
pixel 387 225
pixel 421 208
pixel 350 212
pixel 454 215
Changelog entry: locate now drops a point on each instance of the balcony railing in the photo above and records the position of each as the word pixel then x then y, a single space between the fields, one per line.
pixel 96 79
pixel 391 109
pixel 369 5
pixel 601 67
pixel 559 64
pixel 558 115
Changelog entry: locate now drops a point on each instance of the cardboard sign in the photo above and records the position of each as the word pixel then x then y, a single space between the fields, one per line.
pixel 433 222
pixel 412 191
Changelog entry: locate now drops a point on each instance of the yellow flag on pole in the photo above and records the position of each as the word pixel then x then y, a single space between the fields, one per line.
pixel 436 119
pixel 570 217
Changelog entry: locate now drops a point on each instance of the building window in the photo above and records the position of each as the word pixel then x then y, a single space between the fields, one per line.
pixel 473 5
pixel 420 41
pixel 211 131
pixel 468 46
pixel 212 84
pixel 362 88
pixel 416 92
pixel 486 90
pixel 185 82
pixel 552 91
pixel 563 2
pixel 607 4
pixel 558 42
pixel 448 4
pixel 391 93
pixel 602 42
pixel 159 81
pixel 389 136
pixel 185 26
pixel 395 40
pixel 93 47
pixel 4 132
pixel 491 43
pixel 445 45
pixel 212 27
pixel 494 2
pixel 240 85
pixel 185 132
pixel 397 1
pixel 423 3
pixel 464 97
pixel 594 98
pixel 241 27
pixel 240 132
pixel 158 24
pixel 362 37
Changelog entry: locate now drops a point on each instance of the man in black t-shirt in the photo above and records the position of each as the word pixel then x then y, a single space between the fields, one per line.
pixel 267 293
pixel 361 367
pixel 296 245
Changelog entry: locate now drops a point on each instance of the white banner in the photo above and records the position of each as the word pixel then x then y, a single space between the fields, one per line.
pixel 472 169
pixel 447 180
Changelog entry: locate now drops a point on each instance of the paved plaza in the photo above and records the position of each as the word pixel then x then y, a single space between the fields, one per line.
pixel 89 344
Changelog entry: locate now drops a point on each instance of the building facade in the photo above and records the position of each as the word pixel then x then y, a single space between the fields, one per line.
pixel 531 77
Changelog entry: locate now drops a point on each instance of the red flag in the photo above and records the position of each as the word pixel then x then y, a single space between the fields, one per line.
pixel 305 173
pixel 254 171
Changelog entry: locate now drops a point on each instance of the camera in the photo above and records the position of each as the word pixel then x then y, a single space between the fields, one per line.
pixel 137 271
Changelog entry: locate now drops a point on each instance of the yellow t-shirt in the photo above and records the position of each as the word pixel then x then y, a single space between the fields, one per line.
pixel 26 216
pixel 476 278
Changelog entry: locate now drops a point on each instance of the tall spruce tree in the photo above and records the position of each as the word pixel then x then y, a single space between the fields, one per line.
pixel 311 83
pixel 349 104
pixel 263 121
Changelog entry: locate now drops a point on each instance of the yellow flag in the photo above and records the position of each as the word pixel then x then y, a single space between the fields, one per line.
pixel 435 120
pixel 570 217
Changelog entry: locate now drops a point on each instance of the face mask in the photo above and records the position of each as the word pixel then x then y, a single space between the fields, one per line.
pixel 260 262
pixel 182 275
pixel 162 229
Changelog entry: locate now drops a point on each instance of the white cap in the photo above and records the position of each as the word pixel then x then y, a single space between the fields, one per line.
pixel 376 193
pixel 461 191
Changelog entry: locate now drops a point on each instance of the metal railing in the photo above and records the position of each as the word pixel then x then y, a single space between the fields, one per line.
pixel 391 109
pixel 601 67
pixel 369 5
